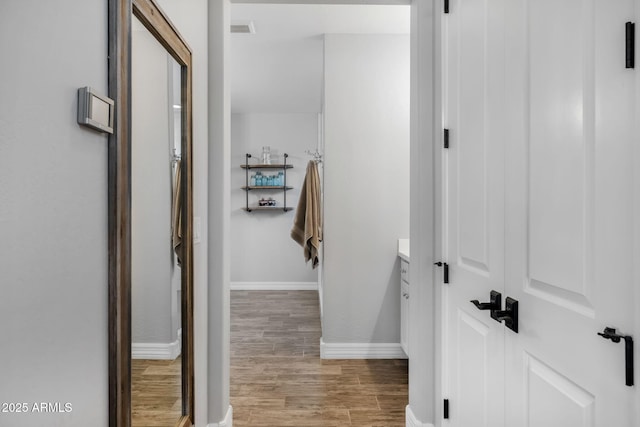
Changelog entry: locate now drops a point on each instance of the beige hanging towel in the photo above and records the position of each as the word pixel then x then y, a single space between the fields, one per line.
pixel 307 224
pixel 176 223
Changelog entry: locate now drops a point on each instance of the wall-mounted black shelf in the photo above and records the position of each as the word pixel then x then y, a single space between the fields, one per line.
pixel 266 187
pixel 284 188
pixel 269 166
pixel 268 208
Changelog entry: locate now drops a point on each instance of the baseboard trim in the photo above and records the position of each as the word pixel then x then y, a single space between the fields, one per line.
pixel 412 421
pixel 157 351
pixel 361 350
pixel 227 422
pixel 274 286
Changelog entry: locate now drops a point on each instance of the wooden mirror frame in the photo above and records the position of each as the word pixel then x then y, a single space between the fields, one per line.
pixel 158 24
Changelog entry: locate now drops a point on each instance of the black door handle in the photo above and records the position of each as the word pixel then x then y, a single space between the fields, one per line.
pixel 494 304
pixel 510 315
pixel 610 334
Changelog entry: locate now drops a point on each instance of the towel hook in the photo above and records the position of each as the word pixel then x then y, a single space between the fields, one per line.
pixel 317 157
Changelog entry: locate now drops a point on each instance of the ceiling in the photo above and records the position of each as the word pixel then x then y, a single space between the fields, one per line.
pixel 279 68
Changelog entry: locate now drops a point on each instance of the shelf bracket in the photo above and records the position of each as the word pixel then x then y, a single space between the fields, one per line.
pixel 285 181
pixel 246 177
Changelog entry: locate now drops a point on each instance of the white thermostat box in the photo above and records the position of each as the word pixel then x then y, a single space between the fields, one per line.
pixel 94 110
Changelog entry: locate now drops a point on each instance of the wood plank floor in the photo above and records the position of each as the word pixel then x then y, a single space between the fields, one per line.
pixel 278 378
pixel 155 392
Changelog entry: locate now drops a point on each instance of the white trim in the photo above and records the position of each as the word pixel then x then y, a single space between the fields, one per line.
pixel 412 421
pixel 274 286
pixel 361 350
pixel 157 351
pixel 228 420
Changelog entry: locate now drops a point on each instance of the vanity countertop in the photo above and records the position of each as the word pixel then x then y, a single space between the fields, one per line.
pixel 403 249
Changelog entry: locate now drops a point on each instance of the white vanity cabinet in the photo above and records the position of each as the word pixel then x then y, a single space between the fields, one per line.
pixel 404 305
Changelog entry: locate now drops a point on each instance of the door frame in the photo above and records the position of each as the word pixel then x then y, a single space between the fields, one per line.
pixel 120 14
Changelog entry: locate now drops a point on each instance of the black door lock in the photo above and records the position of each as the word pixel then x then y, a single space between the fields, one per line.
pixel 510 315
pixel 610 334
pixel 494 304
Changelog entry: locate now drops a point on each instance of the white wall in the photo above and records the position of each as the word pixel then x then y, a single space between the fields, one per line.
pixel 53 213
pixel 151 181
pixel 366 179
pixel 262 252
pixel 426 151
pixel 219 164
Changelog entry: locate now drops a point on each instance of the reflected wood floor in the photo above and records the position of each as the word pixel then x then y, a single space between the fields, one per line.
pixel 155 392
pixel 278 378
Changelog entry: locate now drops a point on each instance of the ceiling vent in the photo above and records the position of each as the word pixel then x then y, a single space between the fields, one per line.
pixel 243 27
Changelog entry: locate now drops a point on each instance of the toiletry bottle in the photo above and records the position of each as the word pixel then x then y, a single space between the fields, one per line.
pixel 266 155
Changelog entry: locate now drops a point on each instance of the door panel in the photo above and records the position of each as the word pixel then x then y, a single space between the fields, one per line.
pixel 555 401
pixel 472 129
pixel 560 145
pixel 474 346
pixel 474 369
pixel 569 211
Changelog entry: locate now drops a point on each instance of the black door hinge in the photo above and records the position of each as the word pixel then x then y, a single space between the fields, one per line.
pixel 445 272
pixel 630 45
pixel 445 409
pixel 446 6
pixel 445 138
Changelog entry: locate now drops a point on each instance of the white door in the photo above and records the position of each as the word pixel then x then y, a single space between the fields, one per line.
pixel 474 212
pixel 569 212
pixel 540 192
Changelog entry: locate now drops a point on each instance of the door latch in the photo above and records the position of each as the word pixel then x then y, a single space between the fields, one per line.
pixel 610 334
pixel 494 304
pixel 445 270
pixel 630 45
pixel 510 315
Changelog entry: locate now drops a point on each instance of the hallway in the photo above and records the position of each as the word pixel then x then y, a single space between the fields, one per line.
pixel 278 378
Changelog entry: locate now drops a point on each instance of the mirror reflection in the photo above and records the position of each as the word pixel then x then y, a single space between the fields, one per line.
pixel 156 333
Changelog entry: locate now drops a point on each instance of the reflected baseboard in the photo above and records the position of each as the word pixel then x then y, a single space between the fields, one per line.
pixel 227 422
pixel 156 351
pixel 412 421
pixel 273 286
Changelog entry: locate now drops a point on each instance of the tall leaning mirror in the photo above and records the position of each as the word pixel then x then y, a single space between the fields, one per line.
pixel 150 295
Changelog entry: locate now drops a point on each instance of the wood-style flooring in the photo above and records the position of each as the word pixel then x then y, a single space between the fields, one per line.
pixel 278 378
pixel 155 392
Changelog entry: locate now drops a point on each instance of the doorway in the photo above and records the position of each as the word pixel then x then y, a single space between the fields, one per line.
pixel 260 252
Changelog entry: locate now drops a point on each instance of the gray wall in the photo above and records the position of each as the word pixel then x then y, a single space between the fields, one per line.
pixel 151 181
pixel 218 211
pixel 53 212
pixel 262 251
pixel 366 177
